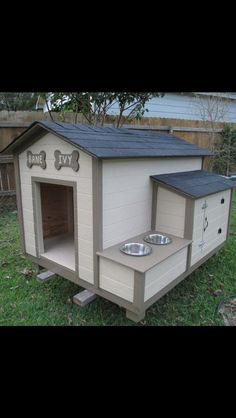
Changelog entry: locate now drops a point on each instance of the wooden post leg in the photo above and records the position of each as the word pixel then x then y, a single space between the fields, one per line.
pixel 135 317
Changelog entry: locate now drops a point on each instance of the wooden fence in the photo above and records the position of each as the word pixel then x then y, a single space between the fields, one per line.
pixel 7 176
pixel 14 123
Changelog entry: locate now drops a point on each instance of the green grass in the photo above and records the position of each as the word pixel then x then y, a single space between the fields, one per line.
pixel 25 301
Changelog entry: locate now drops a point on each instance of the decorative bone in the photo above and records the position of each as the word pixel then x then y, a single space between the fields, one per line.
pixel 36 159
pixel 66 160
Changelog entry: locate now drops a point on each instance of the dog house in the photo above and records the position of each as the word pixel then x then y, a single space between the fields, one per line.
pixel 125 214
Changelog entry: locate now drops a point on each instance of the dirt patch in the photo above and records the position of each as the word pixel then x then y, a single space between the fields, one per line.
pixel 228 311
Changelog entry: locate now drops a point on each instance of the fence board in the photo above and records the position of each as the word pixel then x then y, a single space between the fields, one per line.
pixel 7 178
pixel 14 123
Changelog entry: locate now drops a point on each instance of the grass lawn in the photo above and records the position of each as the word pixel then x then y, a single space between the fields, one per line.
pixel 25 301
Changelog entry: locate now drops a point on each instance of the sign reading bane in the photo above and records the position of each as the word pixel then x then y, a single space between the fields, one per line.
pixel 66 160
pixel 36 159
pixel 61 160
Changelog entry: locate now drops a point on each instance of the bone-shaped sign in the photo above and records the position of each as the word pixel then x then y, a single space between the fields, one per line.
pixel 66 160
pixel 36 159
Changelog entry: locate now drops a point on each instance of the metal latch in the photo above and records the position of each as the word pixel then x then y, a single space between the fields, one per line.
pixel 205 205
pixel 201 243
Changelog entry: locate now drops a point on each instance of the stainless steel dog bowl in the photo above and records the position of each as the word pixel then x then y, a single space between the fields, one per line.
pixel 157 239
pixel 136 249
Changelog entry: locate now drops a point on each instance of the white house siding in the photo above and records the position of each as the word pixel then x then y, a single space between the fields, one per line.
pixel 164 273
pixel 170 216
pixel 217 215
pixel 180 106
pixel 49 143
pixel 116 279
pixel 127 194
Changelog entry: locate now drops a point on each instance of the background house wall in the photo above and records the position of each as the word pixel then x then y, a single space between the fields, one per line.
pixel 184 106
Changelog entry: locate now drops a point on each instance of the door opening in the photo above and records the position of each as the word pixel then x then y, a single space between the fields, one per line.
pixel 57 208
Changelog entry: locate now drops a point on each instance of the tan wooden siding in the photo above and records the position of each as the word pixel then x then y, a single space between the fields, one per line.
pixel 116 279
pixel 127 194
pixel 214 241
pixel 164 273
pixel 170 217
pixel 217 216
pixel 49 143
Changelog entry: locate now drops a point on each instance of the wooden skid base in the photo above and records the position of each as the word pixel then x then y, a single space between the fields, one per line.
pixel 83 298
pixel 46 276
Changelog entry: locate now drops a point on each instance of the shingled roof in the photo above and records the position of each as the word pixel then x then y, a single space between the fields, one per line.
pixel 109 142
pixel 194 184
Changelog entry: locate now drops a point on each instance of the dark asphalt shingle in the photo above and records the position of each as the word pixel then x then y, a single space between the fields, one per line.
pixel 195 184
pixel 109 142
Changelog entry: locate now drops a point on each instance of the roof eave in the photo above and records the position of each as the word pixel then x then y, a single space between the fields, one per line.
pixel 38 129
pixel 155 156
pixel 186 194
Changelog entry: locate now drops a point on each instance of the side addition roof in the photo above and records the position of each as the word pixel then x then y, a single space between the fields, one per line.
pixel 194 184
pixel 109 142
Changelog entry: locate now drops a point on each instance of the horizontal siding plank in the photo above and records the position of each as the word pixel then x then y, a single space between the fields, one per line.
pixel 213 225
pixel 122 168
pixel 86 274
pixel 170 197
pixel 122 183
pixel 85 217
pixel 116 279
pixel 165 265
pixel 210 237
pixel 213 201
pixel 86 247
pixel 117 272
pixel 197 256
pixel 86 261
pixel 164 280
pixel 30 249
pixel 127 195
pixel 65 172
pixel 170 213
pixel 170 208
pixel 217 216
pixel 172 221
pixel 120 199
pixel 170 230
pixel 113 216
pixel 85 232
pixel 63 147
pixel 30 239
pixel 161 275
pixel 120 231
pixel 116 288
pixel 85 202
